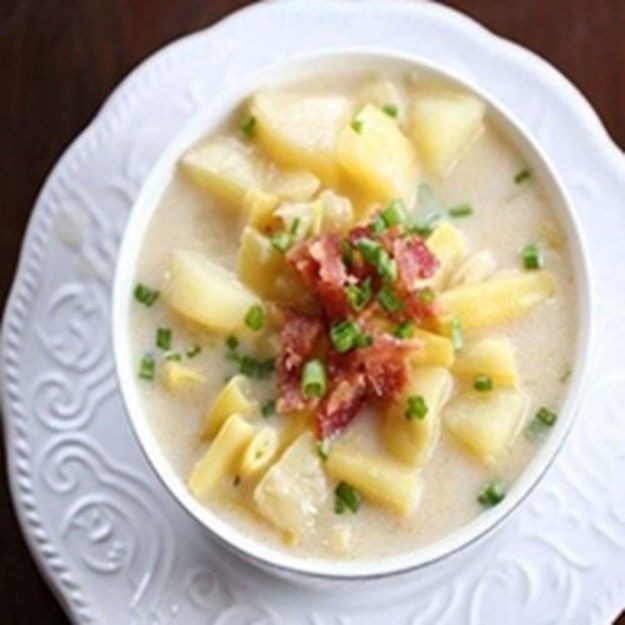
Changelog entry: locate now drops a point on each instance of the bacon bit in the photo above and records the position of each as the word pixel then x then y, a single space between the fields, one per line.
pixel 298 340
pixel 340 405
pixel 415 261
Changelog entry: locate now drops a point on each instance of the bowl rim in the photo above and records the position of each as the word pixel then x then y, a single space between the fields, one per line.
pixel 204 120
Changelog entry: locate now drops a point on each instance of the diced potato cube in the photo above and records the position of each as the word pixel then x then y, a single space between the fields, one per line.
pixel 221 456
pixel 260 452
pixel 378 156
pixel 179 378
pixel 232 399
pixel 434 349
pixel 412 441
pixel 259 207
pixel 300 131
pixel 297 186
pixel 293 491
pixel 496 300
pixel 447 243
pixel 492 356
pixel 338 212
pixel 206 293
pixel 301 219
pixel 486 424
pixel 442 124
pixel 475 268
pixel 225 167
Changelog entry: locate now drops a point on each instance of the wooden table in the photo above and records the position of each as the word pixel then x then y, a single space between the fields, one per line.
pixel 61 58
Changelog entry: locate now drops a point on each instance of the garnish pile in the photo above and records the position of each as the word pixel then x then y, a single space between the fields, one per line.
pixel 371 289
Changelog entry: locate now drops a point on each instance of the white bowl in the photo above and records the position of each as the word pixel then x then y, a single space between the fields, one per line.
pixel 201 124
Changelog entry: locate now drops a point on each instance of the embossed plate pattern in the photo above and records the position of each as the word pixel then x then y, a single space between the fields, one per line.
pixel 108 537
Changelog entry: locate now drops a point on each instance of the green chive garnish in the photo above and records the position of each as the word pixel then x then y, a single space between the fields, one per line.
pixel 163 338
pixel 356 125
pixel 196 349
pixel 566 374
pixel 389 300
pixel 343 335
pixel 483 383
pixel 363 340
pixel 295 225
pixel 416 408
pixel 147 367
pixel 391 109
pixel 254 368
pixel 177 356
pixel 457 339
pixel 255 317
pixel 145 295
pixel 281 242
pixel 405 330
pixel 522 176
pixel 394 214
pixel 347 252
pixel 532 256
pixel 369 249
pixel 248 125
pixel 314 379
pixel 546 416
pixel 232 342
pixel 426 295
pixel 492 494
pixel 323 448
pixel 358 295
pixel 346 497
pixel 268 408
pixel 378 225
pixel 387 267
pixel 462 210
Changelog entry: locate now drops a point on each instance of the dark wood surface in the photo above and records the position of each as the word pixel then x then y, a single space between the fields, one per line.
pixel 59 59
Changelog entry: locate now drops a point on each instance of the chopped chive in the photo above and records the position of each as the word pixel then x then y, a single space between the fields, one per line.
pixel 346 497
pixel 566 375
pixel 492 494
pixel 405 330
pixel 378 225
pixel 532 256
pixel 255 317
pixel 177 356
pixel 234 356
pixel 394 214
pixel 391 109
pixel 356 125
pixel 416 408
pixel 343 335
pixel 281 242
pixel 147 367
pixel 358 295
pixel 145 295
pixel 295 225
pixel 483 383
pixel 369 249
pixel 424 226
pixel 462 210
pixel 522 176
pixel 457 339
pixel 426 295
pixel 347 252
pixel 389 300
pixel 546 416
pixel 195 350
pixel 254 368
pixel 248 125
pixel 232 342
pixel 323 448
pixel 373 253
pixel 268 408
pixel 363 340
pixel 314 379
pixel 163 338
pixel 387 267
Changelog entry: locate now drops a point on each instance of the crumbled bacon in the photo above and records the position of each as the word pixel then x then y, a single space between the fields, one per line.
pixel 414 260
pixel 299 339
pixel 340 405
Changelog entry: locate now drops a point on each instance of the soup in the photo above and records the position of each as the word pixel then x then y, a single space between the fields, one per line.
pixel 353 316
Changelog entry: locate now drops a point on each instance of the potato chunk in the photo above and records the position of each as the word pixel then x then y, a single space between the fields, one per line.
pixel 179 378
pixel 300 131
pixel 412 441
pixel 492 356
pixel 259 206
pixel 378 156
pixel 232 399
pixel 225 167
pixel 291 493
pixel 434 349
pixel 259 453
pixel 496 300
pixel 297 186
pixel 448 244
pixel 442 124
pixel 206 293
pixel 476 268
pixel 486 425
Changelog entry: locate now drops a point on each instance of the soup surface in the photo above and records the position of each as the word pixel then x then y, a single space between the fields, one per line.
pixel 354 315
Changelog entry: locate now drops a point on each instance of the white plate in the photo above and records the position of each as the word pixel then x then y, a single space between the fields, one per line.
pixel 109 538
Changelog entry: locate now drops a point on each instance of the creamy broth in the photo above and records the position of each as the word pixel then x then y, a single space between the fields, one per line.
pixel 506 215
